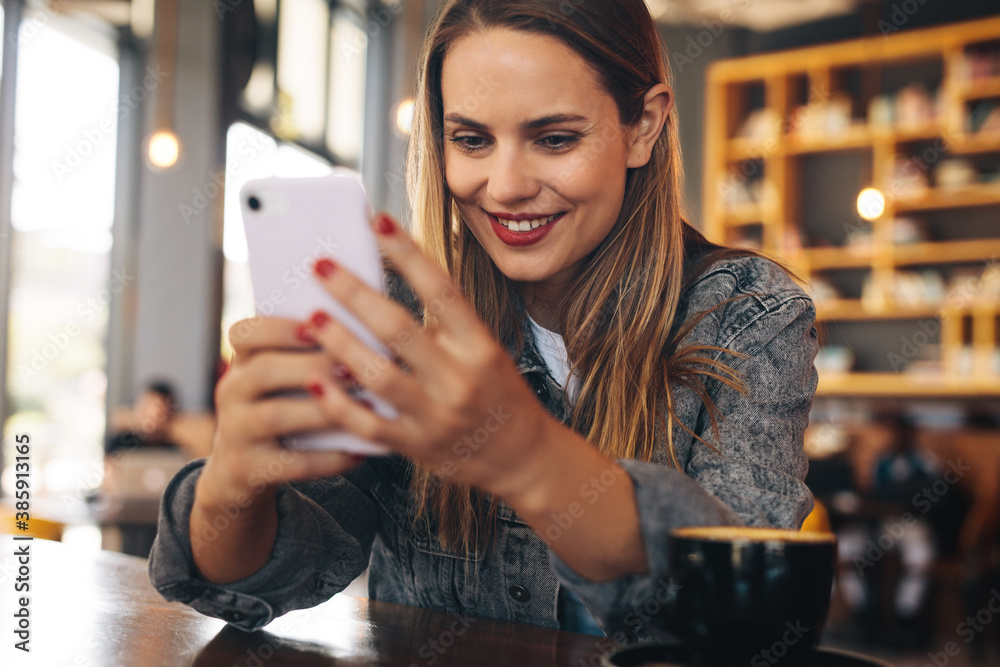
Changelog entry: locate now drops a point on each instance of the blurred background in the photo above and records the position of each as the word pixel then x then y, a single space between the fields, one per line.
pixel 856 140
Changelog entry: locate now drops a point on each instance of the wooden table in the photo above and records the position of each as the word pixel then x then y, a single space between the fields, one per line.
pixel 97 609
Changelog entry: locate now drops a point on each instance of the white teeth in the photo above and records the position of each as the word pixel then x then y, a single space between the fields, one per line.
pixel 527 225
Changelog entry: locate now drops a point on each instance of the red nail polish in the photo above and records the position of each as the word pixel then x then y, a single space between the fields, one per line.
pixel 319 319
pixel 366 403
pixel 316 389
pixel 302 333
pixel 324 267
pixel 343 372
pixel 385 225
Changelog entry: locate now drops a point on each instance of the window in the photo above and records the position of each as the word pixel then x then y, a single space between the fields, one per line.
pixel 63 202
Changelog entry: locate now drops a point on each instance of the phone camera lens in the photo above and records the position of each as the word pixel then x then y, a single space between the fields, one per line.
pixel 253 203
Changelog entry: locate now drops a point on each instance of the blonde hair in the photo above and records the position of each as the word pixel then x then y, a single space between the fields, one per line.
pixel 619 315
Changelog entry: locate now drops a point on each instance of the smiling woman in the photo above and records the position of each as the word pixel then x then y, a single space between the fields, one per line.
pixel 583 371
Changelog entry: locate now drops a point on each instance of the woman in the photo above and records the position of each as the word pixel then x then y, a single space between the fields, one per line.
pixel 569 391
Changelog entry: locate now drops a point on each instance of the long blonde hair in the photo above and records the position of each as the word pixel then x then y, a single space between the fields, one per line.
pixel 619 314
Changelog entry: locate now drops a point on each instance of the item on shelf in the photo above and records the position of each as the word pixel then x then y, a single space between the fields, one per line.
pixel 827 120
pixel 981 63
pixel 955 173
pixel 746 241
pixel 858 237
pixel 760 125
pixel 914 289
pixel 930 368
pixel 908 178
pixel 834 359
pixel 909 230
pixel 984 119
pixel 914 108
pixel 823 439
pixel 880 112
pixel 821 290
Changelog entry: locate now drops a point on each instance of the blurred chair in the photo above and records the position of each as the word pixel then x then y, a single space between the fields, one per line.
pixel 818 520
pixel 42 529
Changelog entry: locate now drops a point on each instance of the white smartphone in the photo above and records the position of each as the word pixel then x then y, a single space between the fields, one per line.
pixel 290 223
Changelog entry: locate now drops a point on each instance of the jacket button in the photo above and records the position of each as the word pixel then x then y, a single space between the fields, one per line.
pixel 519 593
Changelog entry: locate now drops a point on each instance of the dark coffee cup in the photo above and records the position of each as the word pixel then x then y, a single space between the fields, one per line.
pixel 749 596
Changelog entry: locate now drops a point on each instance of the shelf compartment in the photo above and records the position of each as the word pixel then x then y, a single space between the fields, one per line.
pixel 904 385
pixel 983 194
pixel 853 309
pixel 946 252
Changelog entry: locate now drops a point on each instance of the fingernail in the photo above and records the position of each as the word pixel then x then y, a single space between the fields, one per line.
pixel 302 333
pixel 319 319
pixel 324 267
pixel 357 459
pixel 366 403
pixel 343 372
pixel 385 225
pixel 316 389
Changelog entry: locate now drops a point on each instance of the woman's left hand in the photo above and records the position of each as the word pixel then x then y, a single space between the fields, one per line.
pixel 464 408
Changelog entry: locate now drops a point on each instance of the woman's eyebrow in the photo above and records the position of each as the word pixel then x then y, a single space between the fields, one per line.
pixel 534 124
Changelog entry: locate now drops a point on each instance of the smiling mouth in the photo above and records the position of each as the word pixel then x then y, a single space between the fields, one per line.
pixel 524 225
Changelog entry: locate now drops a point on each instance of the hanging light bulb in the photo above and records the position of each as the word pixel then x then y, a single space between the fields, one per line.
pixel 404 116
pixel 164 149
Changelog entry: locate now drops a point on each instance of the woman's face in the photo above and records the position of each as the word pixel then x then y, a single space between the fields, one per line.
pixel 531 140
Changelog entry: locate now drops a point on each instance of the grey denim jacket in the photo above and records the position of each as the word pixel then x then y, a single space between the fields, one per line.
pixel 331 529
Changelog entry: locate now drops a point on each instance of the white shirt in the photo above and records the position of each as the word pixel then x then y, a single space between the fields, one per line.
pixel 553 350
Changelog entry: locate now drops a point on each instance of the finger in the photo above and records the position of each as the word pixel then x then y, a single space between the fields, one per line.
pixel 277 417
pixel 355 361
pixel 391 323
pixel 264 374
pixel 358 417
pixel 432 285
pixel 257 333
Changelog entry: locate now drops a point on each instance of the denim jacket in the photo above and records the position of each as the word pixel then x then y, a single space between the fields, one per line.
pixel 330 529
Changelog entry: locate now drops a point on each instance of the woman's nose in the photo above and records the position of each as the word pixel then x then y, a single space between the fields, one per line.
pixel 511 179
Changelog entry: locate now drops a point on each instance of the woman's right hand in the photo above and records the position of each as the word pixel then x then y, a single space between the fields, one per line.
pixel 254 409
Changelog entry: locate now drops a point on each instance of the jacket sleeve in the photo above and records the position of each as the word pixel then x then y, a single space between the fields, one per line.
pixel 325 532
pixel 755 478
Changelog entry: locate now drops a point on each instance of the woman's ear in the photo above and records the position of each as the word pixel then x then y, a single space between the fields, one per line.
pixel 643 135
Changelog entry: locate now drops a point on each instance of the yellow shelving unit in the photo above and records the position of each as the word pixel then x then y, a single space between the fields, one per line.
pixel 969 331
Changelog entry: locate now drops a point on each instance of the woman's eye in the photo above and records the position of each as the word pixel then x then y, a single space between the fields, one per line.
pixel 557 142
pixel 469 143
